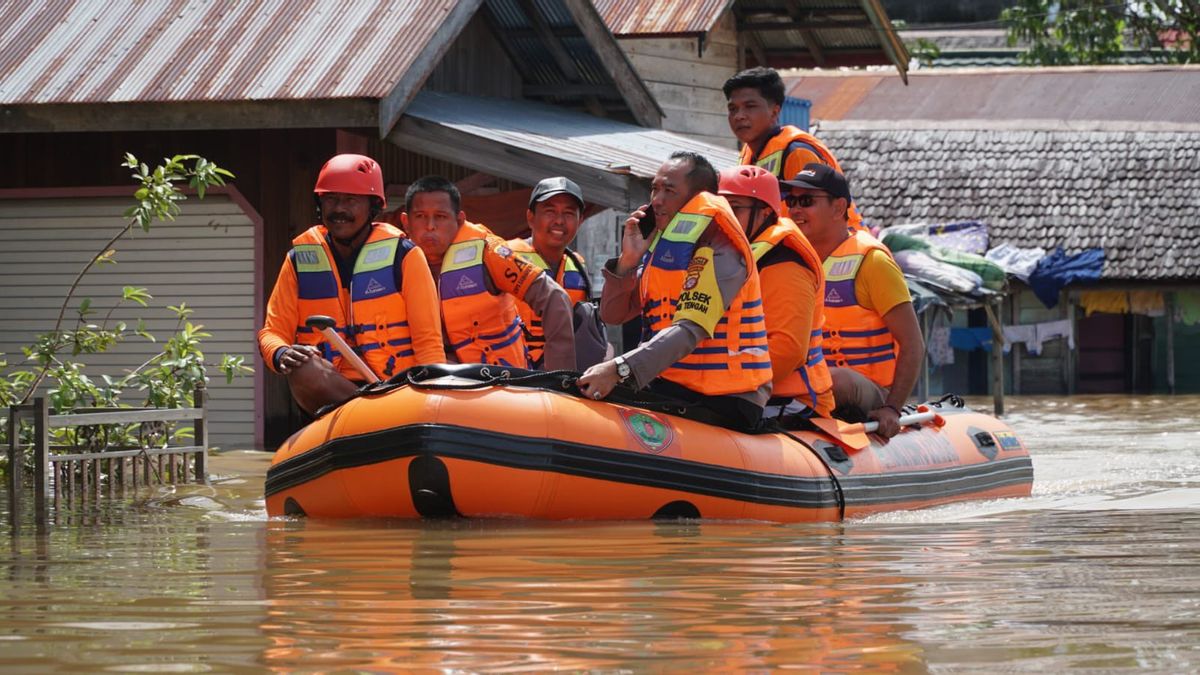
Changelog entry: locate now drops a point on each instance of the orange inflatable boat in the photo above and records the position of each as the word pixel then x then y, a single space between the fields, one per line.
pixel 478 441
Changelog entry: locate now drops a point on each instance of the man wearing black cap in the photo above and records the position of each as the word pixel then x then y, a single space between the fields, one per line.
pixel 872 341
pixel 555 208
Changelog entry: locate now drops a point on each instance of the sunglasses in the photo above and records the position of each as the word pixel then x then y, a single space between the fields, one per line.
pixel 805 200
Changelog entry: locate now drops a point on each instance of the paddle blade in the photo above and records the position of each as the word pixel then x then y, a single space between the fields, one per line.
pixel 849 436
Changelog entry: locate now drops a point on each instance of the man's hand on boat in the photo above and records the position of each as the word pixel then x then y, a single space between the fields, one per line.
pixel 599 380
pixel 295 356
pixel 888 418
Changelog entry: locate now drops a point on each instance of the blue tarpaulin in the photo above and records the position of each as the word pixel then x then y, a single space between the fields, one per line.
pixel 1058 269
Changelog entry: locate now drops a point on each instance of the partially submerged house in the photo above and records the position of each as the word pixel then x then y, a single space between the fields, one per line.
pixel 494 94
pixel 1079 158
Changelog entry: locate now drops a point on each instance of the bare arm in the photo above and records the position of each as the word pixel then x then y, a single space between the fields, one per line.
pixel 901 320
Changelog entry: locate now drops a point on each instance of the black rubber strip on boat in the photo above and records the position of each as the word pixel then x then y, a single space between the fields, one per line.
pixel 539 454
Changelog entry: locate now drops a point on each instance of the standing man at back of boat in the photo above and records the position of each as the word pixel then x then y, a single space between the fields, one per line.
pixel 554 213
pixel 368 276
pixel 480 279
pixel 871 340
pixel 793 291
pixel 693 280
pixel 754 98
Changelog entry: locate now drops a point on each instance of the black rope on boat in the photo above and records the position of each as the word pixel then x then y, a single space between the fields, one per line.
pixel 953 399
pixel 773 427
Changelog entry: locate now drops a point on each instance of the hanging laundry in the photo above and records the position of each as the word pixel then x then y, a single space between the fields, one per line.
pixel 1052 330
pixel 938 346
pixel 1015 334
pixel 1149 303
pixel 1187 307
pixel 968 236
pixel 1019 262
pixel 970 339
pixel 1059 269
pixel 1110 302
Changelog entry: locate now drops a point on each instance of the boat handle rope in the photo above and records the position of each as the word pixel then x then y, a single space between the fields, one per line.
pixel 490 376
pixel 774 427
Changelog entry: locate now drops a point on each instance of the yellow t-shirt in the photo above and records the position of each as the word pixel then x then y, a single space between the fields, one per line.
pixel 880 284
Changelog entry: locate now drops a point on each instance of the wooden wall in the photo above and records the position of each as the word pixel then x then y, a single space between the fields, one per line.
pixel 686 83
pixel 275 171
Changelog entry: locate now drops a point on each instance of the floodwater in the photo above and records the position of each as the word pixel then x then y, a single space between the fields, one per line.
pixel 1098 571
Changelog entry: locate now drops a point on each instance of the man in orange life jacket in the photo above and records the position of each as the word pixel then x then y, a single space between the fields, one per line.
pixel 553 216
pixel 370 278
pixel 871 340
pixel 754 98
pixel 480 279
pixel 793 291
pixel 694 283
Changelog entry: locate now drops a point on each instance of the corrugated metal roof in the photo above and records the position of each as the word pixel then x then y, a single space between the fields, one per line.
pixel 534 131
pixel 643 18
pixel 596 142
pixel 1147 94
pixel 83 51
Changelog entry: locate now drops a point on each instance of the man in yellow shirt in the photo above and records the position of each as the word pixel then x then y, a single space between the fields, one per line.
pixel 872 340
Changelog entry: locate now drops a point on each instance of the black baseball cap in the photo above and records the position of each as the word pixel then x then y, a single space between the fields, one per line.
pixel 815 176
pixel 555 186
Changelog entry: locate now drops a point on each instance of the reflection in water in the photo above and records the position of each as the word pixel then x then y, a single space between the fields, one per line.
pixel 498 596
pixel 1096 572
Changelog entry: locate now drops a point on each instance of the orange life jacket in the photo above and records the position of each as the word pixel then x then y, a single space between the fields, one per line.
pixel 773 158
pixel 570 277
pixel 735 359
pixel 855 337
pixel 481 327
pixel 811 378
pixel 377 326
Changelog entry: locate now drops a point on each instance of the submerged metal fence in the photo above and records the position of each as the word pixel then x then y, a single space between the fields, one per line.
pixel 89 470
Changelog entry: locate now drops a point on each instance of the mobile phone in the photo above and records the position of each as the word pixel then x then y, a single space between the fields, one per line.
pixel 646 223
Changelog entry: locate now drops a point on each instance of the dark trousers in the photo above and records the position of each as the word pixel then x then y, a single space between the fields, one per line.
pixel 726 411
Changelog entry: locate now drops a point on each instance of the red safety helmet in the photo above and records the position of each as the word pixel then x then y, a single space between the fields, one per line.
pixel 352 175
pixel 751 181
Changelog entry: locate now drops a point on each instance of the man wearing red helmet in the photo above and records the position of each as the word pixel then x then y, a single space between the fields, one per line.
pixel 792 287
pixel 368 276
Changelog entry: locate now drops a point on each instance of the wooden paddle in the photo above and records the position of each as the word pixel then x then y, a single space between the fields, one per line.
pixel 326 325
pixel 853 437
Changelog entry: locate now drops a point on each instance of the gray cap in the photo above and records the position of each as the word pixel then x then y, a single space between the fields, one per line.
pixel 555 186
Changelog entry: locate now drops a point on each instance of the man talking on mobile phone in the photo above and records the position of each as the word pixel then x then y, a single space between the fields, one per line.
pixel 695 285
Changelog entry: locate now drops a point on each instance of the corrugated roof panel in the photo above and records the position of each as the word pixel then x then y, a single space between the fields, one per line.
pixel 594 142
pixel 81 51
pixel 1152 94
pixel 660 17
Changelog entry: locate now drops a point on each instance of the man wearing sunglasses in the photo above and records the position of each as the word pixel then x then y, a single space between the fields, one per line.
pixel 871 339
pixel 793 290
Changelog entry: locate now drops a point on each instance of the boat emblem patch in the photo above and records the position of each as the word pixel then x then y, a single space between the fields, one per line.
pixel 1008 440
pixel 650 431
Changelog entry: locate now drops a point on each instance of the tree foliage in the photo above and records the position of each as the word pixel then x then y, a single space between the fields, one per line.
pixel 1087 32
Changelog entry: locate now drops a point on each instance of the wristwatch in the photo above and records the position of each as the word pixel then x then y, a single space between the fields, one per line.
pixel 623 369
